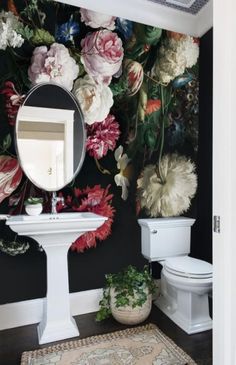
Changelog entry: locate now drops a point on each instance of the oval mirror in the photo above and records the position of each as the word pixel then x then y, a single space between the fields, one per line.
pixel 50 136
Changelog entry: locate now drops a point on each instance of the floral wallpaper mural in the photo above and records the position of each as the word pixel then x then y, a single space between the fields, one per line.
pixel 137 86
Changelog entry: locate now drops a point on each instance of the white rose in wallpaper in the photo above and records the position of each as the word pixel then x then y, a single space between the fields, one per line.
pixel 95 99
pixel 97 20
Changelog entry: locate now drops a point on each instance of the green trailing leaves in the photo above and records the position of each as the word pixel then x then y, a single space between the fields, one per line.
pixel 104 311
pixel 14 247
pixel 32 8
pixel 131 287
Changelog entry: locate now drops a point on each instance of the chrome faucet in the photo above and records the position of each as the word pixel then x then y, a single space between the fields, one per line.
pixel 55 200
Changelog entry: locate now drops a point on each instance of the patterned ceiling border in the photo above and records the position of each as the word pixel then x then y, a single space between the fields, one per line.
pixel 194 9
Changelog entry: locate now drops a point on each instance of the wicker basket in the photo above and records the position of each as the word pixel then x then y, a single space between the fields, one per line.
pixel 129 315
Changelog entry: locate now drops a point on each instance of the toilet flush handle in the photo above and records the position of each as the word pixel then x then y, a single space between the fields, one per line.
pixel 153 231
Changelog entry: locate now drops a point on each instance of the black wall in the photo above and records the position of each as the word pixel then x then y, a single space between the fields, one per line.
pixel 24 276
pixel 202 230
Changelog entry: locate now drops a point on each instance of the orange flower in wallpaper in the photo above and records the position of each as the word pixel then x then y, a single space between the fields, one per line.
pixel 153 105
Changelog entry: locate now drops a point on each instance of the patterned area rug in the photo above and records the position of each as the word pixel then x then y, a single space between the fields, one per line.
pixel 145 345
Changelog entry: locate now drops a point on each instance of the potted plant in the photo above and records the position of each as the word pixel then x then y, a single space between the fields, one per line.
pixel 127 296
pixel 33 206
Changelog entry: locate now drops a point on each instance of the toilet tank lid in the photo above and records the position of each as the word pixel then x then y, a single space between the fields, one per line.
pixel 166 222
pixel 188 265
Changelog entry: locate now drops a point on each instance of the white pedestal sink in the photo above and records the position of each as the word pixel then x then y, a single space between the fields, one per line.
pixel 55 233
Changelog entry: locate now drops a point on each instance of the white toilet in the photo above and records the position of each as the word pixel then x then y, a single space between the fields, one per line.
pixel 185 282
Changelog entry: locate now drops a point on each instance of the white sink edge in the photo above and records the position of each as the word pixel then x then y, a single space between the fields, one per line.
pixel 55 218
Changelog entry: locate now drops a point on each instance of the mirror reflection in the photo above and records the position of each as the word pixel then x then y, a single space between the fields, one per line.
pixel 50 137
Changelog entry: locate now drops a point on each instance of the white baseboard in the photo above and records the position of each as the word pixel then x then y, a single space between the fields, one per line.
pixel 30 311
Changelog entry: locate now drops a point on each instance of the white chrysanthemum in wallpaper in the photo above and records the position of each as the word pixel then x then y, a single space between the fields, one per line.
pixel 8 31
pixel 171 195
pixel 175 56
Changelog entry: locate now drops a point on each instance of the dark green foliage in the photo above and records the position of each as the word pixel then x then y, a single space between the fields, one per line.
pixel 132 287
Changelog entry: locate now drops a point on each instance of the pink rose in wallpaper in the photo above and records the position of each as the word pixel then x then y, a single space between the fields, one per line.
pixel 102 54
pixel 54 64
pixel 10 176
pixel 97 20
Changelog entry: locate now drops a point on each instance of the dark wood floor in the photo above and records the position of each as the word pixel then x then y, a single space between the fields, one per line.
pixel 14 341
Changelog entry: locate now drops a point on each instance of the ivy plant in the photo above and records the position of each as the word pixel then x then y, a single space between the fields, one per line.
pixel 132 287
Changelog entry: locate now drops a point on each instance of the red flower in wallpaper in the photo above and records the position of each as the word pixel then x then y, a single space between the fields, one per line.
pixel 102 136
pixel 96 200
pixel 10 176
pixel 13 100
pixel 152 106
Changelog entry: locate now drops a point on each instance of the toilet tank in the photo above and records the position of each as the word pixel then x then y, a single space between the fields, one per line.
pixel 165 237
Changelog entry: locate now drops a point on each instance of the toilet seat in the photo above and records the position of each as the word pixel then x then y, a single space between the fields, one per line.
pixel 188 267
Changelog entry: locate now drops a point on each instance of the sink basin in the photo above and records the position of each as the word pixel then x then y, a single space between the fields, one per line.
pixel 61 223
pixel 55 233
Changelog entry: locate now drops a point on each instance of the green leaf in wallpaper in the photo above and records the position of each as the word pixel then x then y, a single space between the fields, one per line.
pixel 147 34
pixel 150 138
pixel 77 57
pixel 23 75
pixel 25 32
pixel 42 36
pixel 6 142
pixel 120 88
pixel 167 96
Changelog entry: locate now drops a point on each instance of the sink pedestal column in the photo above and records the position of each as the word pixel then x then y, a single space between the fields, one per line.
pixel 57 322
pixel 55 233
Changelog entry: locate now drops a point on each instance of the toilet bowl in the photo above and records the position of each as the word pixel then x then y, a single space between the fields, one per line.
pixel 185 285
pixel 185 281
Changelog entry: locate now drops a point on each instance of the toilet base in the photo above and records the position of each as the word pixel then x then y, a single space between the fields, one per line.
pixel 170 309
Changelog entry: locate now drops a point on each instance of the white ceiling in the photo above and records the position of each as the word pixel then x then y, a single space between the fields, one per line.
pixel 196 20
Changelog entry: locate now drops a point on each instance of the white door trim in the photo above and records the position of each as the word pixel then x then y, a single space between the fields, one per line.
pixel 224 182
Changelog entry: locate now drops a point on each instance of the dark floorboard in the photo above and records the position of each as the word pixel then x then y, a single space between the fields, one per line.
pixel 14 341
